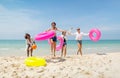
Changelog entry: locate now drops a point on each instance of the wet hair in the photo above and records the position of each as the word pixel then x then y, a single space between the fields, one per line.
pixel 27 35
pixel 53 23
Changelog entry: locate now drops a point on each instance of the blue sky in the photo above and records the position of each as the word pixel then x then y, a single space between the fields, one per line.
pixel 33 16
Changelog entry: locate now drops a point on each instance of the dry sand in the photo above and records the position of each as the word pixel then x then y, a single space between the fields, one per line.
pixel 73 66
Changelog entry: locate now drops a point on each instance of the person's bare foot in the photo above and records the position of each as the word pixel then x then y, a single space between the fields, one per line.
pixel 54 56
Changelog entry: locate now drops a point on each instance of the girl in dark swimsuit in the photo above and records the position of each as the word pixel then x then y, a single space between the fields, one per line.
pixel 54 39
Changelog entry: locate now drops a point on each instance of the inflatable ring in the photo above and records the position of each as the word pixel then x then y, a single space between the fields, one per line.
pixel 98 34
pixel 35 61
pixel 45 35
pixel 60 45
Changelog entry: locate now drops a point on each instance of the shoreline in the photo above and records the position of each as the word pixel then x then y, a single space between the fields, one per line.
pixel 72 66
pixel 58 54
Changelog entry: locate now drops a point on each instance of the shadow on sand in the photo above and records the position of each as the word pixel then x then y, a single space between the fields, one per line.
pixel 55 60
pixel 101 53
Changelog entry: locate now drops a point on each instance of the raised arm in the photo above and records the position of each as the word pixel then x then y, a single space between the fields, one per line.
pixel 68 32
pixel 60 30
pixel 85 34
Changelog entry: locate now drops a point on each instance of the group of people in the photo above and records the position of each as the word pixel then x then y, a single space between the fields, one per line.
pixel 53 40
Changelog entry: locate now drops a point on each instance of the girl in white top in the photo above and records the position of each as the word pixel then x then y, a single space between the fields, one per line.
pixel 79 36
pixel 54 39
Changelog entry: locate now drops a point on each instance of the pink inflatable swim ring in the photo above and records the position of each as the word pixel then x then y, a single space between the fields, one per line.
pixel 44 35
pixel 97 32
pixel 60 45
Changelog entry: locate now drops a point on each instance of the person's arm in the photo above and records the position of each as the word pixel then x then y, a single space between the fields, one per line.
pixel 69 32
pixel 85 34
pixel 33 41
pixel 60 30
pixel 73 34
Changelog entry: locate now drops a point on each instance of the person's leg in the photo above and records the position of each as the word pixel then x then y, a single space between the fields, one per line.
pixel 54 48
pixel 62 51
pixel 28 50
pixel 78 48
pixel 31 51
pixel 51 46
pixel 65 50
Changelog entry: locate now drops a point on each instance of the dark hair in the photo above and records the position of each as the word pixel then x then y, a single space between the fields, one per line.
pixel 27 35
pixel 53 23
pixel 63 32
pixel 78 28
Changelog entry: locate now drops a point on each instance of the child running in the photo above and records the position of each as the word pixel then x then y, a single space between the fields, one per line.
pixel 54 39
pixel 79 35
pixel 29 42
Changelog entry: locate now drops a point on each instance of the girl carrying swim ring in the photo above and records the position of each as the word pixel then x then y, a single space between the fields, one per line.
pixel 54 39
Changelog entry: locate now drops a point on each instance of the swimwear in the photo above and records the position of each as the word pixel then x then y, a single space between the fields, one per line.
pixel 65 42
pixel 79 41
pixel 54 39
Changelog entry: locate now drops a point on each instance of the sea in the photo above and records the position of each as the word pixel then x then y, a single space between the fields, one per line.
pixel 17 47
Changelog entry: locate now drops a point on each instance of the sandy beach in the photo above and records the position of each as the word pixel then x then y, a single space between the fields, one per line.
pixel 72 66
